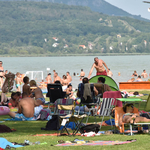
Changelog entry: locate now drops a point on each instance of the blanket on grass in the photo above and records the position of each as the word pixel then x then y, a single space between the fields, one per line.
pixel 94 143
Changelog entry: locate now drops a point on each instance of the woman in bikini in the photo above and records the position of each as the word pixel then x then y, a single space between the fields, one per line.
pixel 1 73
pixel 130 117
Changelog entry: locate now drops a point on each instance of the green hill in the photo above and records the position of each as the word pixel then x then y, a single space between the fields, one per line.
pixel 46 28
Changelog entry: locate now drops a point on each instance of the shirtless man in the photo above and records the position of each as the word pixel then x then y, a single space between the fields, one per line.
pixel 26 87
pixel 69 78
pixel 25 109
pixel 82 73
pixel 56 77
pixel 144 74
pixel 99 66
pixel 37 93
pixel 64 81
pixel 48 78
pixel 109 73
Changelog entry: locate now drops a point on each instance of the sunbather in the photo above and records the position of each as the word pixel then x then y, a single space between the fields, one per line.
pixel 130 117
pixel 37 93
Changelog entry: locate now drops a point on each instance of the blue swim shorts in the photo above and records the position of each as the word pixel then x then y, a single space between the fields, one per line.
pixel 23 118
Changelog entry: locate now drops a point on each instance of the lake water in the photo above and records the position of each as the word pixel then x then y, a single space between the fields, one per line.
pixel 123 64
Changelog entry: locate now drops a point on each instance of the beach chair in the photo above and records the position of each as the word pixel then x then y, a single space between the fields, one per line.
pixel 119 112
pixel 64 108
pixel 54 92
pixel 114 94
pixel 104 108
pixel 88 98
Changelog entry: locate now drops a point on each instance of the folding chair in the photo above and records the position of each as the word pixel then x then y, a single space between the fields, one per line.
pixel 104 108
pixel 90 99
pixel 114 94
pixel 65 109
pixel 54 92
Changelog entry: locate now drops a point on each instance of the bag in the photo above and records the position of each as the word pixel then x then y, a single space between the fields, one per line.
pixel 146 115
pixel 52 124
pixel 43 114
pixel 4 128
pixel 89 128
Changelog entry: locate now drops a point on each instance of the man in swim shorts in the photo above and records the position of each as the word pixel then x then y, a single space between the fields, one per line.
pixel 25 109
pixel 99 66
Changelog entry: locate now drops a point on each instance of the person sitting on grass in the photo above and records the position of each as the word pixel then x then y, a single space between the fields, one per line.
pixel 130 117
pixel 37 93
pixel 13 102
pixel 25 109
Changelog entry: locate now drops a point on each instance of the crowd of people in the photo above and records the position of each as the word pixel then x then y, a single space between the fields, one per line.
pixel 138 78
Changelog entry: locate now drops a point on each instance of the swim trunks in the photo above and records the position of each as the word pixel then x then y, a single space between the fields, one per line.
pixel 102 73
pixel 41 99
pixel 23 118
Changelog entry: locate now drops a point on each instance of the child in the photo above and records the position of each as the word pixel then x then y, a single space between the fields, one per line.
pixel 18 81
pixel 37 93
pixel 26 87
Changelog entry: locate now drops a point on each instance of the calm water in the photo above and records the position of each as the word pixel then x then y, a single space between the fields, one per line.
pixel 123 64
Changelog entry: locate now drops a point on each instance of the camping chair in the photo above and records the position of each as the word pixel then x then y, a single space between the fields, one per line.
pixel 104 108
pixel 88 98
pixel 64 108
pixel 54 92
pixel 118 113
pixel 114 94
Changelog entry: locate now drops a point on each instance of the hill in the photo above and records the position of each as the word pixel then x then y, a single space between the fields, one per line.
pixel 100 6
pixel 51 28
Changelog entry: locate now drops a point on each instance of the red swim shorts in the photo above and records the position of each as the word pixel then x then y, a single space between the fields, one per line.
pixel 102 73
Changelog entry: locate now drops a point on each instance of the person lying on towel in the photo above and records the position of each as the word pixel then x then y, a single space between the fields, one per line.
pixel 130 117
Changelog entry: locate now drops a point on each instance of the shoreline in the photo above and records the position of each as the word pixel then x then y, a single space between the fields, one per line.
pixel 65 55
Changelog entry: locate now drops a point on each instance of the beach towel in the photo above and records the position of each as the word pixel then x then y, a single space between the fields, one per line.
pixel 94 143
pixel 113 94
pixel 4 143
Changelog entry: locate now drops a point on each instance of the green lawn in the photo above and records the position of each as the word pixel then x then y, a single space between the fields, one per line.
pixel 26 130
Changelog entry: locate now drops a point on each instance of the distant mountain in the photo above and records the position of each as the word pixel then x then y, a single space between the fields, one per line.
pixel 100 6
pixel 29 28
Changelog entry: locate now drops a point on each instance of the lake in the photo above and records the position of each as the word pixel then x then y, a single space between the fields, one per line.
pixel 123 64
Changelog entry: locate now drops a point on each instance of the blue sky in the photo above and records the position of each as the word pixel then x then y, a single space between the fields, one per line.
pixel 135 7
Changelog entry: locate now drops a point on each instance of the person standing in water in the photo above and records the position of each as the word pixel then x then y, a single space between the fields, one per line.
pixel 99 65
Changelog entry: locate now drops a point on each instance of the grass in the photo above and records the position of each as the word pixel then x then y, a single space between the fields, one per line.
pixel 26 130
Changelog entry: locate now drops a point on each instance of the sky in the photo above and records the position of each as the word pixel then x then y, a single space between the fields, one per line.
pixel 134 7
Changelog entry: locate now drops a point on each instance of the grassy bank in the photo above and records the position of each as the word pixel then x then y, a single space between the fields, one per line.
pixel 26 129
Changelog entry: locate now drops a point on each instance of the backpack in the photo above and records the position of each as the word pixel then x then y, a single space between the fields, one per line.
pixel 89 128
pixel 52 124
